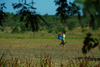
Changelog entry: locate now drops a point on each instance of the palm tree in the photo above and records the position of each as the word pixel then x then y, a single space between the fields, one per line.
pixel 91 8
pixel 65 9
pixel 2 13
pixel 28 15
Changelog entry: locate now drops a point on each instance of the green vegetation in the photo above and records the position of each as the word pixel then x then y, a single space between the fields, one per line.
pixel 44 34
pixel 53 21
pixel 91 10
pixel 65 11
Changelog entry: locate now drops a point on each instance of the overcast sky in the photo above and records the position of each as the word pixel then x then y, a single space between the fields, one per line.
pixel 43 6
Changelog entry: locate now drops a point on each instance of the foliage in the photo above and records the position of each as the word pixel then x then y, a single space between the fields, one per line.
pixel 85 22
pixel 16 30
pixel 2 13
pixel 60 28
pixel 23 27
pixel 29 28
pixel 2 29
pixel 27 13
pixel 38 21
pixel 13 20
pixel 19 25
pixel 71 25
pixel 66 9
pixel 91 9
pixel 55 27
pixel 84 30
pixel 52 31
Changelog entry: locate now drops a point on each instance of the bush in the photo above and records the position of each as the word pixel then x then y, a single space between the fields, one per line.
pixel 23 27
pixel 51 31
pixel 41 28
pixel 2 29
pixel 51 28
pixel 71 25
pixel 16 30
pixel 84 30
pixel 60 28
pixel 55 28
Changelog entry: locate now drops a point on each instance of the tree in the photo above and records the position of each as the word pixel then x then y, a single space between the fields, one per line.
pixel 2 13
pixel 65 9
pixel 28 14
pixel 91 8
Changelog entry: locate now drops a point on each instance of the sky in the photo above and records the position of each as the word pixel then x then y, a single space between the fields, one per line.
pixel 43 6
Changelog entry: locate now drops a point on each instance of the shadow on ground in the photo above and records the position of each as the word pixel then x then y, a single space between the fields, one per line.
pixel 88 58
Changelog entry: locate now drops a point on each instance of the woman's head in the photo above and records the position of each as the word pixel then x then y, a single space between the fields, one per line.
pixel 64 31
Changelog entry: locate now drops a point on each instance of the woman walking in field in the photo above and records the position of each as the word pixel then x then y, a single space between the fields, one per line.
pixel 63 39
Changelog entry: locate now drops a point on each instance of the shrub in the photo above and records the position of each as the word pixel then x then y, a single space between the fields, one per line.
pixel 2 29
pixel 42 28
pixel 51 31
pixel 71 25
pixel 23 27
pixel 55 28
pixel 51 28
pixel 16 30
pixel 60 28
pixel 84 30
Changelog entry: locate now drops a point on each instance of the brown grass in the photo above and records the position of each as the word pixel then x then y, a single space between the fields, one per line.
pixel 32 48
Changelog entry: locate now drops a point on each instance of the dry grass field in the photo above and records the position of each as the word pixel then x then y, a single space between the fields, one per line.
pixel 33 48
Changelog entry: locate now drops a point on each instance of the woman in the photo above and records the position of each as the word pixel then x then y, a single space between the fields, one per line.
pixel 63 39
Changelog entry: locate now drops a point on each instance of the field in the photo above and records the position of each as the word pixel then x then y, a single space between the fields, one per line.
pixel 33 48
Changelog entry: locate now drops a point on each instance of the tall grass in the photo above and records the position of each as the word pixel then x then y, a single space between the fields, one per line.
pixel 45 61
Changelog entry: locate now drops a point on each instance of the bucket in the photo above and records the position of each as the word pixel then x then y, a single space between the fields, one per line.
pixel 60 37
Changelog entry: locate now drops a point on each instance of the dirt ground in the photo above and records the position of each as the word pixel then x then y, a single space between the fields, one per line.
pixel 32 48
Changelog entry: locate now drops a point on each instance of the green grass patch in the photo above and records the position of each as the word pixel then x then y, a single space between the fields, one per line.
pixel 23 37
pixel 75 34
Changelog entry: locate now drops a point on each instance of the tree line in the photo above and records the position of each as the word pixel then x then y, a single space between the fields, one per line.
pixel 65 16
pixel 54 24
